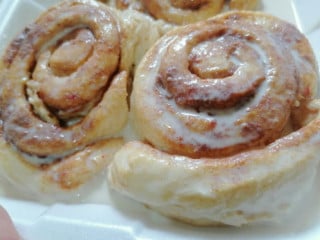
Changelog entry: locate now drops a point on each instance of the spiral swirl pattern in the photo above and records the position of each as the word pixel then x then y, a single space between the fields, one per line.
pixel 227 116
pixel 62 96
pixel 219 87
pixel 64 104
pixel 65 79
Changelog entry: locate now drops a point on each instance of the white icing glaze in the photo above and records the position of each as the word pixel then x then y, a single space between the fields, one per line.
pixel 226 132
pixel 24 170
pixel 251 185
pixel 53 41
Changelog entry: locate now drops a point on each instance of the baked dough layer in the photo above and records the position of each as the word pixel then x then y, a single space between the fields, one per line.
pixel 65 82
pixel 191 162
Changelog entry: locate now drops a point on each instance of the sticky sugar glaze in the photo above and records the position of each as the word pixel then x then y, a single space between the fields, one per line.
pixel 219 87
pixel 64 98
pixel 193 161
pixel 59 82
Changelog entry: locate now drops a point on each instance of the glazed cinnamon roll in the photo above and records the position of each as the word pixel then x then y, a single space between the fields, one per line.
pixel 183 12
pixel 227 117
pixel 64 89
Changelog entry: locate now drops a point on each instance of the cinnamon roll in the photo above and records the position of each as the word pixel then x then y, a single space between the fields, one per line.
pixel 227 117
pixel 183 12
pixel 64 95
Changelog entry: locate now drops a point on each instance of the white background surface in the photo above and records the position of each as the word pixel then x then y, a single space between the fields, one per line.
pixel 124 219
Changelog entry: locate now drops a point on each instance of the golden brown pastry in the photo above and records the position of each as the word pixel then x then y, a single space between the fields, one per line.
pixel 183 12
pixel 64 89
pixel 227 117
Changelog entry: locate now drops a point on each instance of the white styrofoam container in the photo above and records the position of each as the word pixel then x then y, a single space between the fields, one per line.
pixel 125 219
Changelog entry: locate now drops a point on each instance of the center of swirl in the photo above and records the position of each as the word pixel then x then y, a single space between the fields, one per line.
pixel 74 50
pixel 72 71
pixel 218 72
pixel 212 60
